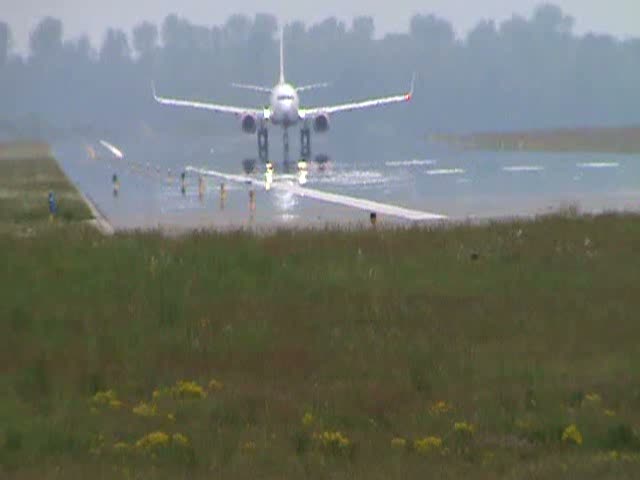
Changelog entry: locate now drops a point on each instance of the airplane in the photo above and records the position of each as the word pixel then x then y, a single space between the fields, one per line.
pixel 284 110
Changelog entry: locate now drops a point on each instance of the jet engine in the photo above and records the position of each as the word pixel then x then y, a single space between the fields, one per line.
pixel 321 123
pixel 249 123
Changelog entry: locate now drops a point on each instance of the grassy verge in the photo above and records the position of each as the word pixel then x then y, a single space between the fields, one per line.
pixel 28 173
pixel 503 351
pixel 600 140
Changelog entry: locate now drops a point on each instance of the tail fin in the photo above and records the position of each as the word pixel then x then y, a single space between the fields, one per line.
pixel 282 55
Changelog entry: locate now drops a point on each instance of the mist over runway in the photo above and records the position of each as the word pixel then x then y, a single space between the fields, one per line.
pixel 459 184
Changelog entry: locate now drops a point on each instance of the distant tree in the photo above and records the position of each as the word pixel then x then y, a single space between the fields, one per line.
pixel 145 39
pixel 45 41
pixel 237 30
pixel 432 32
pixel 483 39
pixel 115 48
pixel 84 49
pixel 265 26
pixel 363 28
pixel 5 42
pixel 331 29
pixel 550 19
pixel 261 43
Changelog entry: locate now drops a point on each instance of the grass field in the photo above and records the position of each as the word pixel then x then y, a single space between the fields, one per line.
pixel 506 350
pixel 28 172
pixel 599 140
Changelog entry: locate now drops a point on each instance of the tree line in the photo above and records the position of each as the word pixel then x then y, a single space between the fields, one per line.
pixel 521 73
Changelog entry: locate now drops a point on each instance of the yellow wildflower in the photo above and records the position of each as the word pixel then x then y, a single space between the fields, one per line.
pixel 180 439
pixel 188 389
pixel 571 434
pixel 145 410
pixel 307 419
pixel 153 440
pixel 158 392
pixel 524 424
pixel 398 442
pixel 115 404
pixel 427 445
pixel 171 417
pixel 487 458
pixel 215 385
pixel 630 457
pixel 121 447
pixel 249 447
pixel 439 408
pixel 464 428
pixel 592 398
pixel 610 413
pixel 104 397
pixel 616 456
pixel 331 439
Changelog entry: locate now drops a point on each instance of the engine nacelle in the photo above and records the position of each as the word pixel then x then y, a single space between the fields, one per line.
pixel 249 123
pixel 321 123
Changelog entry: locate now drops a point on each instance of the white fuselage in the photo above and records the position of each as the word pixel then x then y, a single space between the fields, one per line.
pixel 284 105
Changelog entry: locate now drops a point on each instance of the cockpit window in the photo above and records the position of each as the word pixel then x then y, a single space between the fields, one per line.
pixel 285 97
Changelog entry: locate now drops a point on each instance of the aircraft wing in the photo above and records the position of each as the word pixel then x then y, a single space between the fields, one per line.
pixel 213 107
pixel 334 198
pixel 359 105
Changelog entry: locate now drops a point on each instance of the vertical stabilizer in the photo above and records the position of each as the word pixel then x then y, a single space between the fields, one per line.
pixel 282 55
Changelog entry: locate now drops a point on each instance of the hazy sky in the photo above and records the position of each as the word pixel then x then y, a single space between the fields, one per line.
pixel 618 17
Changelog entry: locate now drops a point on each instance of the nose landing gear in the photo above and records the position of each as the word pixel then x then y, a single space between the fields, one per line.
pixel 285 144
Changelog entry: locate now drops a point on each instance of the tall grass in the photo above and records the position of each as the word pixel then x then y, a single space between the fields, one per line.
pixel 28 174
pixel 519 329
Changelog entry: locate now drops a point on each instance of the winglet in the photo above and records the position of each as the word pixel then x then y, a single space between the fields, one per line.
pixel 409 95
pixel 153 90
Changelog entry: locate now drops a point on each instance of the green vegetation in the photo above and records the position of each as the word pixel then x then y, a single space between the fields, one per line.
pixel 508 350
pixel 28 173
pixel 604 140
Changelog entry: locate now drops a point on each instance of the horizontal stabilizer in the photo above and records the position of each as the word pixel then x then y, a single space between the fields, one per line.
pixel 305 88
pixel 255 88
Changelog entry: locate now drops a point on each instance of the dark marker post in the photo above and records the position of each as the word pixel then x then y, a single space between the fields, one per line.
pixel 116 185
pixel 53 206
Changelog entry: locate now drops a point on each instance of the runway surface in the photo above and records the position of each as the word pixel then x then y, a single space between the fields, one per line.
pixel 460 185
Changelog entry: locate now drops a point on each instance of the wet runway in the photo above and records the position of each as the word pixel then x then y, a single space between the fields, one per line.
pixel 460 185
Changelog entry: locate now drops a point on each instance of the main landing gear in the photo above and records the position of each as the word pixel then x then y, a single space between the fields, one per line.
pixel 305 152
pixel 263 145
pixel 305 143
